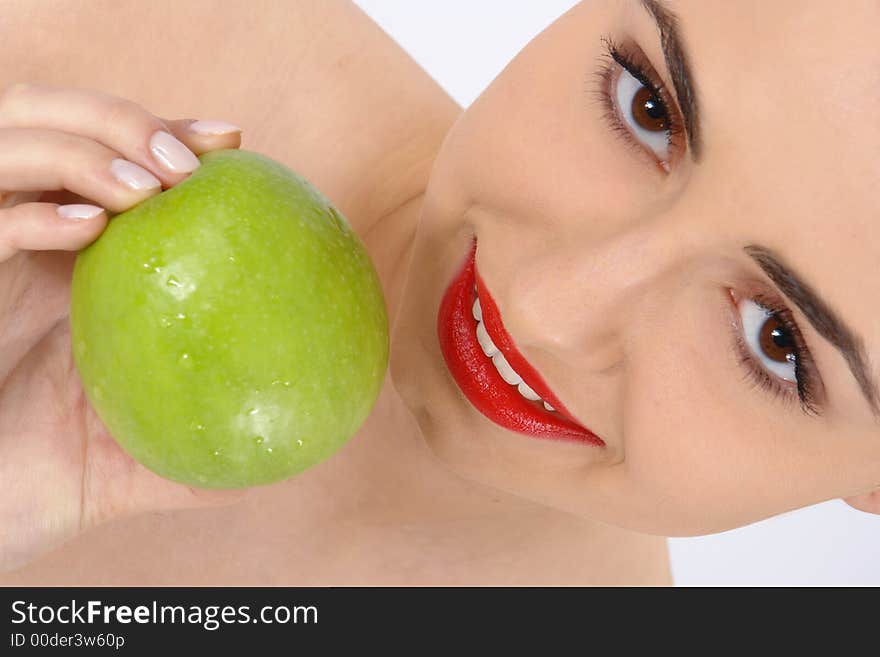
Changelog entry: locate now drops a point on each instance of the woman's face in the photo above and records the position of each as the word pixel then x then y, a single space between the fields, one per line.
pixel 715 322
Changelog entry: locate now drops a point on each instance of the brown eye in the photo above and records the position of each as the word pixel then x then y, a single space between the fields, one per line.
pixel 769 339
pixel 775 340
pixel 649 112
pixel 644 115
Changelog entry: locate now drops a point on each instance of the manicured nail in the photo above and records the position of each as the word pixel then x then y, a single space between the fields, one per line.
pixel 132 175
pixel 209 127
pixel 172 154
pixel 79 211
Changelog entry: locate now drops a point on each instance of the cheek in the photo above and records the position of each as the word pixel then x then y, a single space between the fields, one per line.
pixel 701 450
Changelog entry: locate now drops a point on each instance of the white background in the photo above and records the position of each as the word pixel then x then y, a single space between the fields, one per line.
pixel 464 44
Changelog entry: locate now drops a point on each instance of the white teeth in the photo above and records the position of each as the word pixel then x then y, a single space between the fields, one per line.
pixel 505 370
pixel 527 392
pixel 485 341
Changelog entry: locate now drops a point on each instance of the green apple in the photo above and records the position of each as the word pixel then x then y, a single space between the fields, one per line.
pixel 230 331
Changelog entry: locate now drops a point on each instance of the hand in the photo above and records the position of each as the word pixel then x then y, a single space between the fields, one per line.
pixel 67 157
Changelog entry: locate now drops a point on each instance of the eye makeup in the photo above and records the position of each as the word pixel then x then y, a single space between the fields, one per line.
pixel 806 387
pixel 652 107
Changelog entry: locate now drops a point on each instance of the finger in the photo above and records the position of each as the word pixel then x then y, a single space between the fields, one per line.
pixel 205 135
pixel 33 159
pixel 119 124
pixel 49 227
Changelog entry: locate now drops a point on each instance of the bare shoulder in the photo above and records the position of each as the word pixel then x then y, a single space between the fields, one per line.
pixel 315 84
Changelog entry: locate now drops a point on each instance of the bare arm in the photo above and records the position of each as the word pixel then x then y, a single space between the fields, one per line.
pixel 314 83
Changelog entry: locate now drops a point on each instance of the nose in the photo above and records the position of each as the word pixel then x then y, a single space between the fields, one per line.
pixel 582 300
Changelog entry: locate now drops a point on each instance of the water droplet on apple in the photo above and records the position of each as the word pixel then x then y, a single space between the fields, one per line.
pixel 269 449
pixel 165 320
pixel 253 411
pixel 259 440
pixel 287 384
pixel 231 258
pixel 173 282
pixel 185 360
pixel 150 266
pixel 216 452
pixel 299 442
pixel 181 316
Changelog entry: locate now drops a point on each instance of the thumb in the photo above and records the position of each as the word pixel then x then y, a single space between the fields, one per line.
pixel 143 491
pixel 150 492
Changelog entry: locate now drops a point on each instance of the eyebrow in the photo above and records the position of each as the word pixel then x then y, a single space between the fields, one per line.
pixel 678 63
pixel 826 322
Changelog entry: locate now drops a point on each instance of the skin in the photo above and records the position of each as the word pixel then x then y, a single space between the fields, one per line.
pixel 638 342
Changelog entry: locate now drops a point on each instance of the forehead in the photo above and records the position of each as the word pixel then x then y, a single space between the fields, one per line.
pixel 789 95
pixel 805 68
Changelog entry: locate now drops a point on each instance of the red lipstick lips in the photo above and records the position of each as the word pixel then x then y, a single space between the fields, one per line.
pixel 477 376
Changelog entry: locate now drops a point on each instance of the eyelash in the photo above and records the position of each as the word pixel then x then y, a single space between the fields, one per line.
pixel 804 365
pixel 635 62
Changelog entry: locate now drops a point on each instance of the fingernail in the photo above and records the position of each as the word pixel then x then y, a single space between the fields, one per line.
pixel 172 154
pixel 79 211
pixel 209 127
pixel 132 175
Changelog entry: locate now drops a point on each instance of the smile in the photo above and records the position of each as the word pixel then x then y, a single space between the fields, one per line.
pixel 500 362
pixel 490 371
